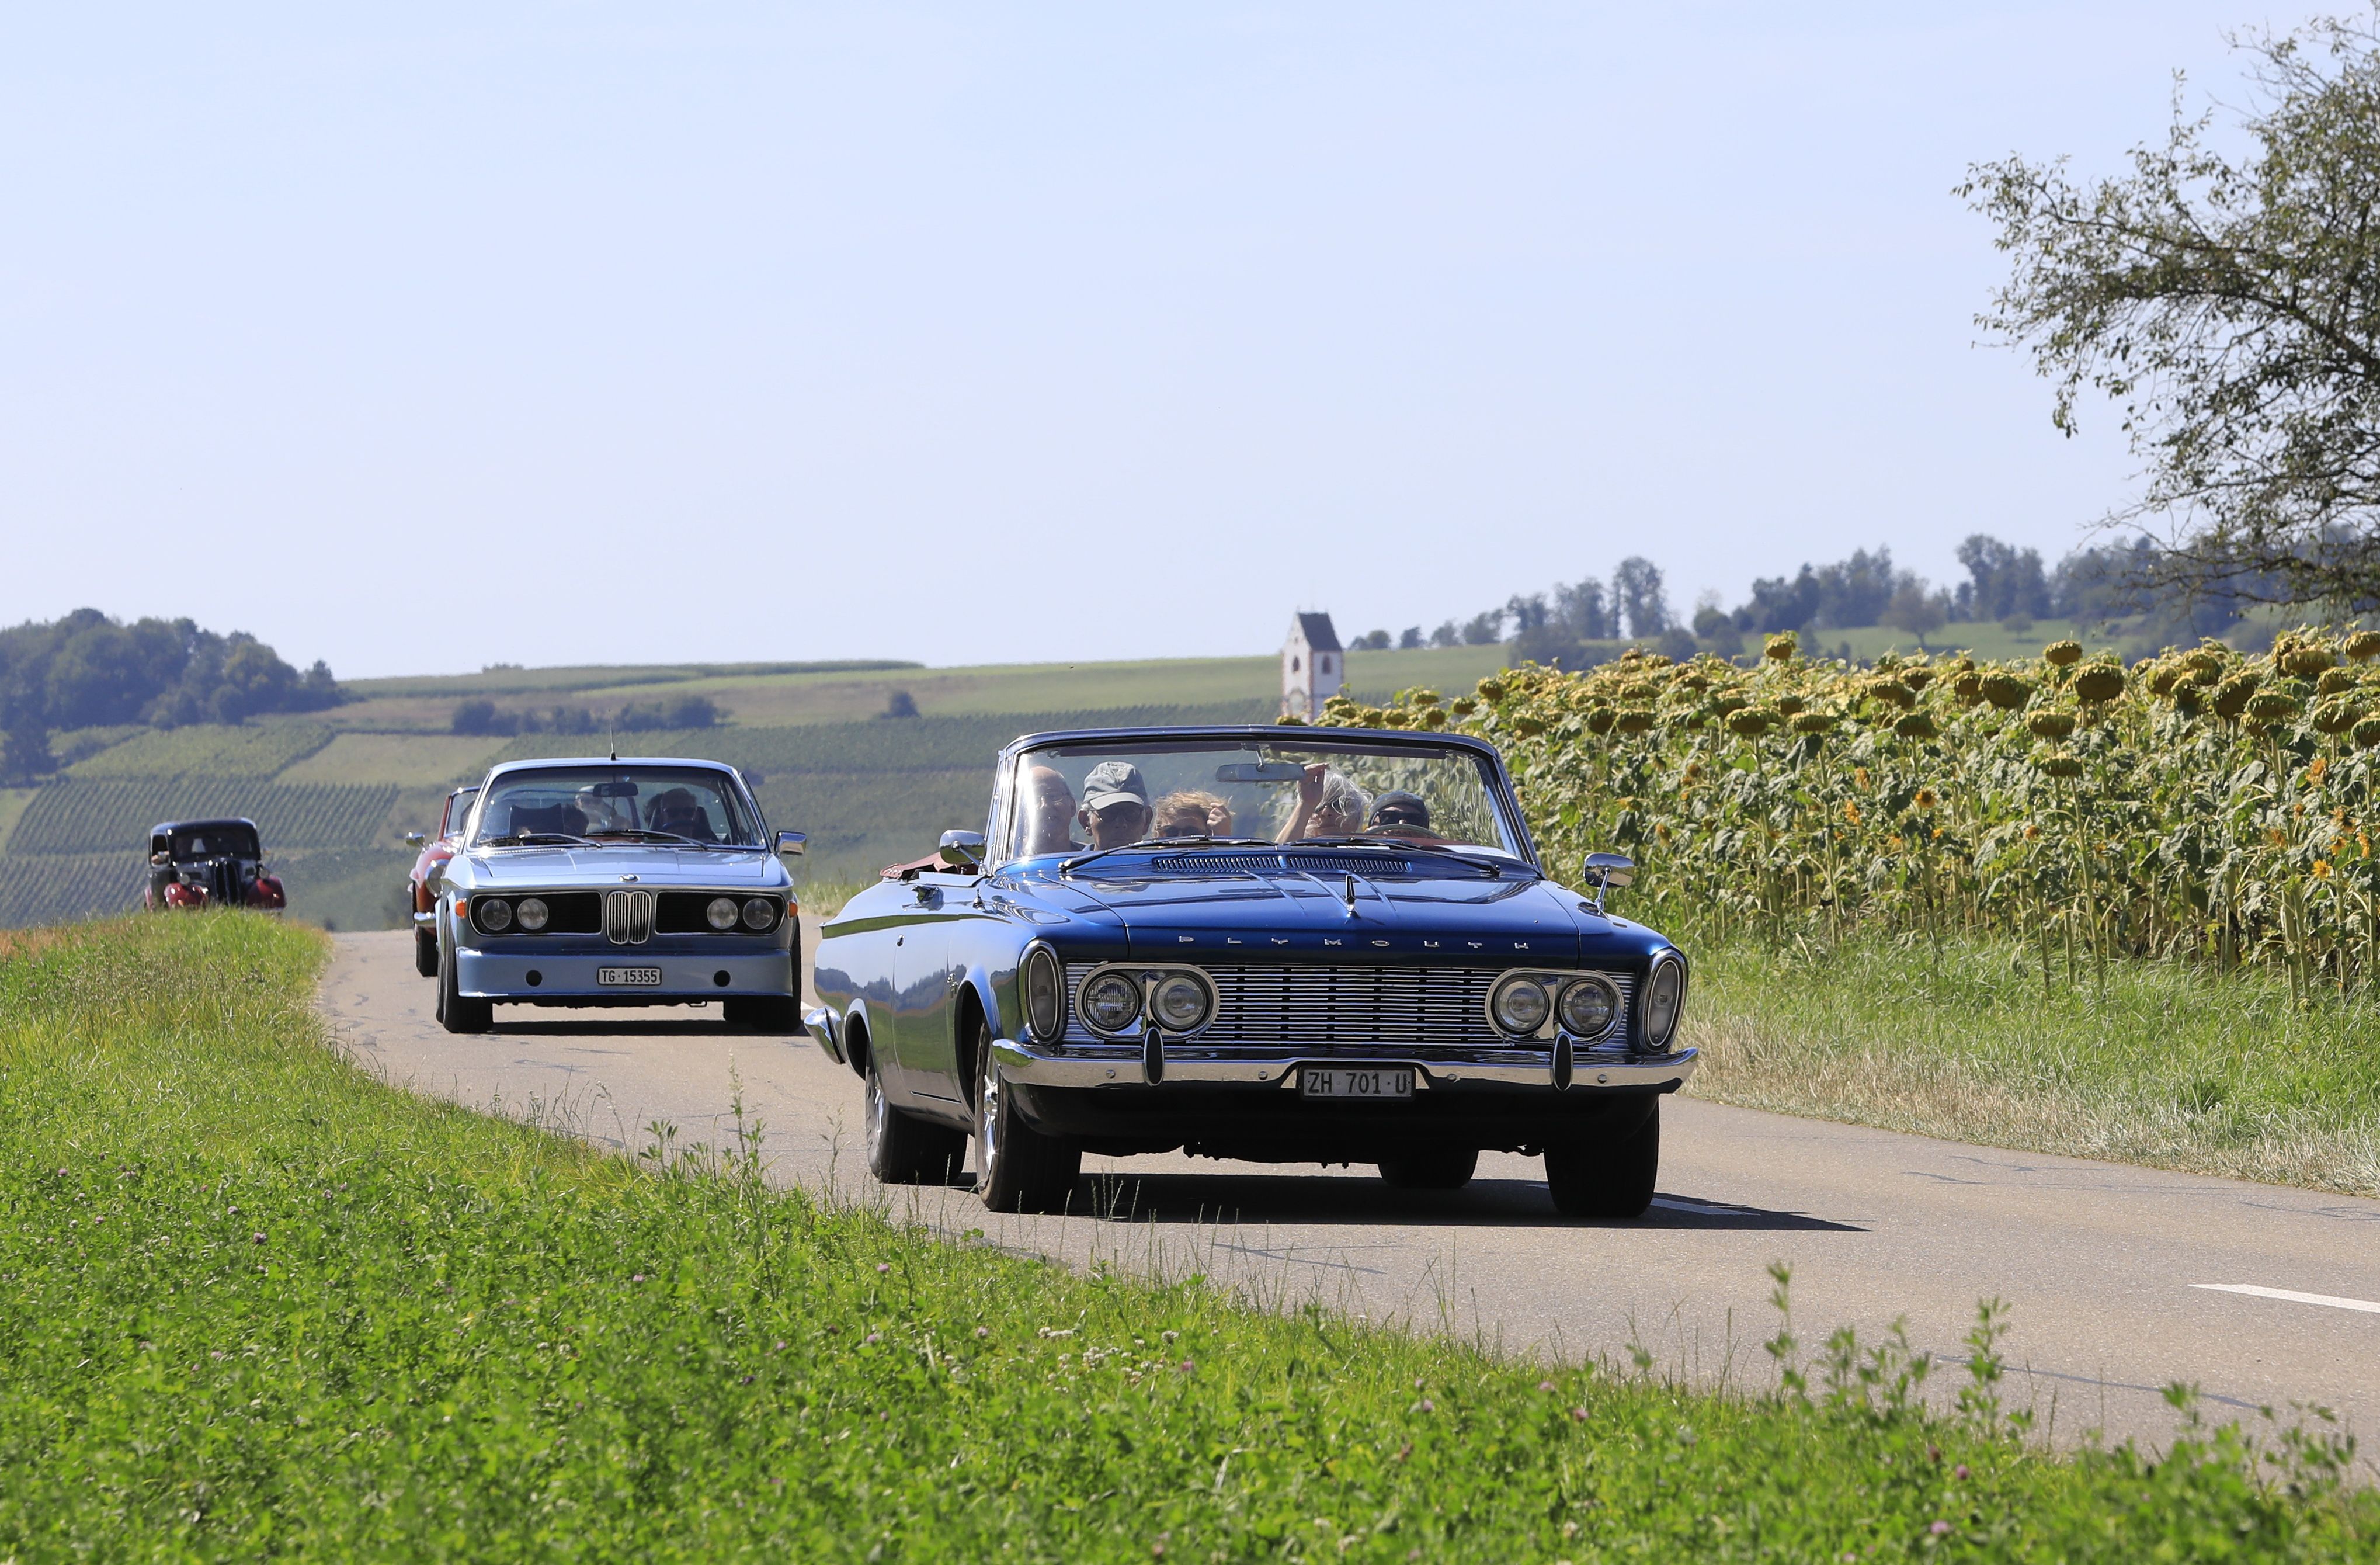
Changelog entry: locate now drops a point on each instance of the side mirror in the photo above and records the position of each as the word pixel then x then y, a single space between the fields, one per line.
pixel 1611 869
pixel 415 839
pixel 962 850
pixel 790 843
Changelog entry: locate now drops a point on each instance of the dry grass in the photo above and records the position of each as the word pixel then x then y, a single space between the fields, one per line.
pixel 2165 1068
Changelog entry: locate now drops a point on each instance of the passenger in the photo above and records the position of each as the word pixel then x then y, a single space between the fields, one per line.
pixel 1049 813
pixel 1328 805
pixel 1115 804
pixel 598 814
pixel 677 811
pixel 1192 812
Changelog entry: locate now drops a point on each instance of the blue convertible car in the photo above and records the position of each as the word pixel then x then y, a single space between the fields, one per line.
pixel 606 881
pixel 1276 944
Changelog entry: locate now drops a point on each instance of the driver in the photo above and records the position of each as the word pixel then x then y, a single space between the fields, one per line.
pixel 602 814
pixel 1115 804
pixel 1049 813
pixel 1398 814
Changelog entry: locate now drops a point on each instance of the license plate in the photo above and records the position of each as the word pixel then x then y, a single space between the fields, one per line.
pixel 631 977
pixel 1366 1081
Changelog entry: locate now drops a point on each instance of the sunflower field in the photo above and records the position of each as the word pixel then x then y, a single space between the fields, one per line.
pixel 2204 804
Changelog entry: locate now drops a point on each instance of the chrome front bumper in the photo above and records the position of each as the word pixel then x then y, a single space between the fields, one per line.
pixel 1110 1065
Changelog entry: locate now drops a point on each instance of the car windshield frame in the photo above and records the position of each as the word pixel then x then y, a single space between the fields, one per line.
pixel 631 817
pixel 1485 808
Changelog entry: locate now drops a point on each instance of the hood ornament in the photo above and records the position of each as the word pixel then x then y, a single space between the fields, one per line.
pixel 1350 896
pixel 629 877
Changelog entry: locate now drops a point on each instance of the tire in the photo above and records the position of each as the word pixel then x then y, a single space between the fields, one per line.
pixel 904 1149
pixel 1445 1169
pixel 425 952
pixel 1611 1178
pixel 1017 1169
pixel 455 1013
pixel 762 1012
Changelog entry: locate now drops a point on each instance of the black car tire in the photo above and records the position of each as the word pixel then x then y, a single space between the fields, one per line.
pixel 1017 1169
pixel 1607 1178
pixel 1445 1169
pixel 456 1014
pixel 425 952
pixel 904 1149
pixel 762 1012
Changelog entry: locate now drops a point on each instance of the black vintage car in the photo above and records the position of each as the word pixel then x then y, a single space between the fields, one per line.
pixel 1278 943
pixel 210 863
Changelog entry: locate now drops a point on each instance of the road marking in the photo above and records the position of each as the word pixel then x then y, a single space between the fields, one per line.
pixel 2291 1296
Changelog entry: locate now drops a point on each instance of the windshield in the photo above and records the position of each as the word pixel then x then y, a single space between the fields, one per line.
pixel 627 802
pixel 226 841
pixel 1112 793
pixel 458 809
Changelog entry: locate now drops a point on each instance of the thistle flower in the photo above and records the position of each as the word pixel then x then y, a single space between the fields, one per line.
pixel 1781 647
pixel 2050 725
pixel 2061 654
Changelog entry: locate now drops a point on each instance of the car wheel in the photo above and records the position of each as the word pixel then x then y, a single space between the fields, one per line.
pixel 904 1149
pixel 1017 1169
pixel 456 1013
pixel 425 953
pixel 1431 1171
pixel 762 1012
pixel 1607 1178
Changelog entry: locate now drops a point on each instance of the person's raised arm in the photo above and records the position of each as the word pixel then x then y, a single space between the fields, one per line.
pixel 1309 799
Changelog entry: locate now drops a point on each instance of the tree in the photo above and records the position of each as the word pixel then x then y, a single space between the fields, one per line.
pixel 1485 629
pixel 1636 592
pixel 2232 312
pixel 1447 635
pixel 2003 581
pixel 1915 609
pixel 1410 639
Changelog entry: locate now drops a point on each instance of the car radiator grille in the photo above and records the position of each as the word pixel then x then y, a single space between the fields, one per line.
pixel 1348 1008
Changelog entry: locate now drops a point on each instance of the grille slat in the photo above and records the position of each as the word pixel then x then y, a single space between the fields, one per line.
pixel 1320 1007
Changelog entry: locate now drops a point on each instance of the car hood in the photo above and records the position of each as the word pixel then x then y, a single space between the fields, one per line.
pixel 650 864
pixel 1463 916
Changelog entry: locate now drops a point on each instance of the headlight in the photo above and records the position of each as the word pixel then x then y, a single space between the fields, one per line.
pixel 1110 1002
pixel 491 913
pixel 1665 997
pixel 1520 1006
pixel 720 914
pixel 1587 1006
pixel 1042 994
pixel 759 914
pixel 533 914
pixel 1180 1003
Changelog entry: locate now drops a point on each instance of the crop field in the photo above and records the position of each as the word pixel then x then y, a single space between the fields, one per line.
pixel 413 760
pixel 85 816
pixel 207 750
pixel 259 1302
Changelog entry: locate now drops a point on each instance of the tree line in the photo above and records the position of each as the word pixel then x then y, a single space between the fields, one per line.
pixel 482 716
pixel 87 670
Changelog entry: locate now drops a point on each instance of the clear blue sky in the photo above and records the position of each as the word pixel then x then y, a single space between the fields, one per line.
pixel 617 332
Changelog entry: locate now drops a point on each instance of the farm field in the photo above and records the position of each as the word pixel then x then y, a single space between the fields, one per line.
pixel 258 1297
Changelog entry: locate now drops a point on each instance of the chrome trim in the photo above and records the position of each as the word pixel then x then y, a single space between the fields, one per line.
pixel 1042 949
pixel 1664 957
pixel 1145 976
pixel 1123 1065
pixel 628 916
pixel 1340 1008
pixel 824 1031
pixel 1553 980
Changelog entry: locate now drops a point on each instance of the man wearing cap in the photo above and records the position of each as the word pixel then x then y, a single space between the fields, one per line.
pixel 1115 804
pixel 1397 813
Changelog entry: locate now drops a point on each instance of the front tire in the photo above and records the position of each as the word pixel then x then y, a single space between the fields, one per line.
pixel 904 1149
pixel 762 1012
pixel 1610 1178
pixel 1017 1169
pixel 1431 1171
pixel 425 952
pixel 457 1012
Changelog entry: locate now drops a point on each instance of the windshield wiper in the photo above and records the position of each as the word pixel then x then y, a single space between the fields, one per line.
pixel 531 839
pixel 1403 845
pixel 644 836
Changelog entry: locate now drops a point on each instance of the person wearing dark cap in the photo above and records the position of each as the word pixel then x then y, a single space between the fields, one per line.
pixel 1398 814
pixel 1115 804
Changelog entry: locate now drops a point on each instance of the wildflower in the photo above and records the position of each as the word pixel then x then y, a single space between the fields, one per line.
pixel 259 1238
pixel 1851 811
pixel 1544 1385
pixel 883 1266
pixel 1959 1472
pixel 1859 776
pixel 639 1276
pixel 2321 764
pixel 1941 1529
pixel 981 1332
pixel 1185 1366
pixel 1924 799
pixel 1896 842
pixel 2321 870
pixel 873 1337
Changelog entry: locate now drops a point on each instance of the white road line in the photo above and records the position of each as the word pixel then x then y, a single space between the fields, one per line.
pixel 2290 1295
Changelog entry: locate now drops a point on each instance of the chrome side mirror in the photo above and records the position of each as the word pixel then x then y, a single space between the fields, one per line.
pixel 1611 869
pixel 962 850
pixel 790 843
pixel 415 839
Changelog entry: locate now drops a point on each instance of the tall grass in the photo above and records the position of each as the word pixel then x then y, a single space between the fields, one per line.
pixel 254 1303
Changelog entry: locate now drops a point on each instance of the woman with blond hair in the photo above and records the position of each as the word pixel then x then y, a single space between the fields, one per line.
pixel 1328 805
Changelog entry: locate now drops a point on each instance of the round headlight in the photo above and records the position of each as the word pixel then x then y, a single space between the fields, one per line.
pixel 759 914
pixel 533 914
pixel 1110 1002
pixel 1180 1004
pixel 1587 1006
pixel 1042 991
pixel 720 914
pixel 1665 996
pixel 1520 1006
pixel 492 913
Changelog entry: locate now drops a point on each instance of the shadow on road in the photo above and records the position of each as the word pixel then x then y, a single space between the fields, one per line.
pixel 1353 1199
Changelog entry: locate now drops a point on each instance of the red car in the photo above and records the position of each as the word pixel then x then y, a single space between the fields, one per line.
pixel 435 851
pixel 209 864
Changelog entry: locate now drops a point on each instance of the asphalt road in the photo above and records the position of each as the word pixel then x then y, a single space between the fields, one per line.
pixel 2121 1281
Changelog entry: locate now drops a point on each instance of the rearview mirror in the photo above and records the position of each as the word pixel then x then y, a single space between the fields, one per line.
pixel 790 843
pixel 1259 772
pixel 962 850
pixel 1611 869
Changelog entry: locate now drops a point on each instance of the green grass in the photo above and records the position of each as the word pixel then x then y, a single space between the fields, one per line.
pixel 2165 1066
pixel 254 1303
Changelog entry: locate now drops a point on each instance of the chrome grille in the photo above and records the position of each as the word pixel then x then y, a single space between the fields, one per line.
pixel 1349 1007
pixel 627 918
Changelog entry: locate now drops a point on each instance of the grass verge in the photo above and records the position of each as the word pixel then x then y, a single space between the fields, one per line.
pixel 2164 1066
pixel 254 1303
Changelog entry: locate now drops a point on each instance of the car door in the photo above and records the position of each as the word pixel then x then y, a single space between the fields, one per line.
pixel 925 977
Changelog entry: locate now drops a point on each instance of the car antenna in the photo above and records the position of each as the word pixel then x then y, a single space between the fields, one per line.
pixel 612 734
